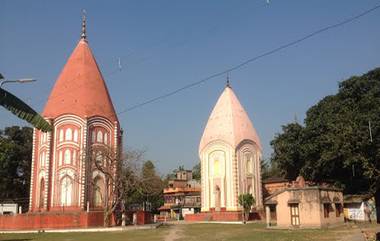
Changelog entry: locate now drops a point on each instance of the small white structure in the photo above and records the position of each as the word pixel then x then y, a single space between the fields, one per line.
pixel 359 208
pixel 188 210
pixel 8 208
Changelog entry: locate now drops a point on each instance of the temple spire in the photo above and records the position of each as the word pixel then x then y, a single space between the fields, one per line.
pixel 228 80
pixel 229 122
pixel 83 35
pixel 80 88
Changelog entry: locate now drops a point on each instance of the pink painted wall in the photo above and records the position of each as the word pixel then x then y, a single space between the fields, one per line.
pixel 310 207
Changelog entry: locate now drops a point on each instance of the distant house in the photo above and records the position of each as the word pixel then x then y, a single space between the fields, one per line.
pixel 301 205
pixel 182 196
pixel 8 208
pixel 359 208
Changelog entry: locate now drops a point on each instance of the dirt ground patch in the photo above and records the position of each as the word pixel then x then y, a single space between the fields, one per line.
pixel 175 233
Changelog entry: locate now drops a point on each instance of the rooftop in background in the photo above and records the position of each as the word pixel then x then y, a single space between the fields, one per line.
pixel 183 182
pixel 357 198
pixel 183 175
pixel 275 180
pixel 275 185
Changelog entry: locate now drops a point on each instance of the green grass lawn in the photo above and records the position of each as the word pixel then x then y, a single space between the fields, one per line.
pixel 138 235
pixel 195 232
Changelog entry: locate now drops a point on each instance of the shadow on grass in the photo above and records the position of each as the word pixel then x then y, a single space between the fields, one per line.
pixel 17 239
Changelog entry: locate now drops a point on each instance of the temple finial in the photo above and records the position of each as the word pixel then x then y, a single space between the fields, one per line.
pixel 228 80
pixel 83 35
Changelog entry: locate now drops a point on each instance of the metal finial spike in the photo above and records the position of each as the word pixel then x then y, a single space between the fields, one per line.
pixel 83 35
pixel 228 80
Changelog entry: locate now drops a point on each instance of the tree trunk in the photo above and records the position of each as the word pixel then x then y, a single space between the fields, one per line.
pixel 377 201
pixel 106 208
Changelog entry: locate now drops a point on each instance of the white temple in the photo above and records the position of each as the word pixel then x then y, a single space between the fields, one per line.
pixel 230 153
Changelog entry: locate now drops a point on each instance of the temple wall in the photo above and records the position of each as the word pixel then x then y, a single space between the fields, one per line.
pixel 51 220
pixel 217 179
pixel 226 174
pixel 223 216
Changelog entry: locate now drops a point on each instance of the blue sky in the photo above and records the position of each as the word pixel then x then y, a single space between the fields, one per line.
pixel 164 45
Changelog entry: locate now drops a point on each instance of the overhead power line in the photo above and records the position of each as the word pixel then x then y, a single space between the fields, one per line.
pixel 119 67
pixel 238 66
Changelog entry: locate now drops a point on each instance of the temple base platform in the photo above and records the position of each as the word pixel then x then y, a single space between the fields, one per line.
pixel 222 216
pixel 52 220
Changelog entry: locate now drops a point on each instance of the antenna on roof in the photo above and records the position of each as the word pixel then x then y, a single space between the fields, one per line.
pixel 83 35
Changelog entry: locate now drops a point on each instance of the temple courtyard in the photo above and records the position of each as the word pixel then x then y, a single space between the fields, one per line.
pixel 197 232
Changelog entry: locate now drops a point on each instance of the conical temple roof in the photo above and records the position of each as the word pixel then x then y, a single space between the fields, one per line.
pixel 229 122
pixel 80 88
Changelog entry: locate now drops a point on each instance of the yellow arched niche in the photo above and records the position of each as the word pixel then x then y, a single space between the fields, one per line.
pixel 216 167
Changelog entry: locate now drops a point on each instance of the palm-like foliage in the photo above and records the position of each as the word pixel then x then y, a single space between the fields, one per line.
pixel 23 111
pixel 246 200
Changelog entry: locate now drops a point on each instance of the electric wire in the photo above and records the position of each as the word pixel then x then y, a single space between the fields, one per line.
pixel 43 99
pixel 248 61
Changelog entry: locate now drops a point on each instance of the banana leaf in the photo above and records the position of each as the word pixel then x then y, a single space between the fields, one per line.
pixel 23 111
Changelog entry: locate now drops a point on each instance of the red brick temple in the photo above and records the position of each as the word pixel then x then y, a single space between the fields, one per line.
pixel 66 189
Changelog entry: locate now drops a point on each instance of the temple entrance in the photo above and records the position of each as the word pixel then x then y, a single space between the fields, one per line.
pixel 66 191
pixel 42 193
pixel 217 198
pixel 98 192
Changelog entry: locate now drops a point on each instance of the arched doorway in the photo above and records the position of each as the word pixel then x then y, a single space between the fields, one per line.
pixel 98 191
pixel 42 193
pixel 217 198
pixel 66 191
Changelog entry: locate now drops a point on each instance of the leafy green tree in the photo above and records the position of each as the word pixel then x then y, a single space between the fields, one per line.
pixel 337 143
pixel 288 150
pixel 150 186
pixel 130 176
pixel 15 164
pixel 197 172
pixel 269 169
pixel 148 170
pixel 246 200
pixel 337 139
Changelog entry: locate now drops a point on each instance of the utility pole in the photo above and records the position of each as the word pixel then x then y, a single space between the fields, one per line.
pixel 377 192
